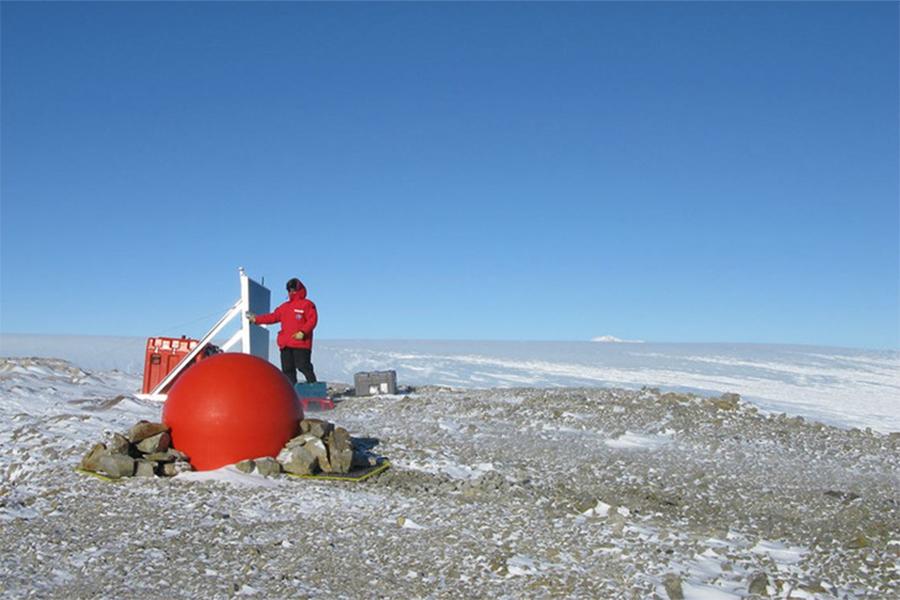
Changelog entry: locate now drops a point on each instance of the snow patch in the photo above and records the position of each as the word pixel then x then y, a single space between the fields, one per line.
pixel 638 441
pixel 601 509
pixel 407 523
pixel 522 564
pixel 447 467
pixel 780 553
pixel 229 475
pixel 611 339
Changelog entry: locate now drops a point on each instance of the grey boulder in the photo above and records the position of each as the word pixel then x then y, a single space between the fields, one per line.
pixel 316 427
pixel 154 444
pixel 118 444
pixel 340 450
pixel 144 429
pixel 117 465
pixel 91 460
pixel 299 461
pixel 267 466
pixel 145 468
pixel 317 448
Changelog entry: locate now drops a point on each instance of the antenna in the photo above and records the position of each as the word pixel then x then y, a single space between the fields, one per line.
pixel 254 339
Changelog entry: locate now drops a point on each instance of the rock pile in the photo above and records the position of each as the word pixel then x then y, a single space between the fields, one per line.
pixel 145 451
pixel 319 447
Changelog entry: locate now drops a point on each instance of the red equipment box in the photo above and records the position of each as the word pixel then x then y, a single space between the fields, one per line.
pixel 163 354
pixel 313 396
pixel 316 404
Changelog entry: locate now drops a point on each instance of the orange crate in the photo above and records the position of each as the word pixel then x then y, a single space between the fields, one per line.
pixel 163 354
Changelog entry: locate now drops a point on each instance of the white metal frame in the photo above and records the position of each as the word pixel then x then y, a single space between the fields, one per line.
pixel 254 339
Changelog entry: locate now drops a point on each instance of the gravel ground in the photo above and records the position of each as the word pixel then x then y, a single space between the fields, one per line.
pixel 518 493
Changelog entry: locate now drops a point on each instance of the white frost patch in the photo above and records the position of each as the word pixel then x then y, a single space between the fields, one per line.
pixel 521 564
pixel 248 590
pixel 229 474
pixel 450 426
pixel 8 513
pixel 447 467
pixel 407 523
pixel 600 510
pixel 638 441
pixel 780 553
pixel 560 428
pixel 60 577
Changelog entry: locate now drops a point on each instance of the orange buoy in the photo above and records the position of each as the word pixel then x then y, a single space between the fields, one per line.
pixel 230 407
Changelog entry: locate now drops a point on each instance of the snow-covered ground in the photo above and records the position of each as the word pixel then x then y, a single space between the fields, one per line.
pixel 546 471
pixel 510 493
pixel 851 388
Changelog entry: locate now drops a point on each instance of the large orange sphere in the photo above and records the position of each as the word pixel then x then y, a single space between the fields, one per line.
pixel 230 407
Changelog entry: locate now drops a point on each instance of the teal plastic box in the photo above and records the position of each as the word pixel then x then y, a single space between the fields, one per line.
pixel 311 390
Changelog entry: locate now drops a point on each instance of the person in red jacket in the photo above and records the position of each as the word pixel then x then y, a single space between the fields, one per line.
pixel 298 318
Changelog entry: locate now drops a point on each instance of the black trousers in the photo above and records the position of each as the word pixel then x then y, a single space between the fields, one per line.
pixel 297 358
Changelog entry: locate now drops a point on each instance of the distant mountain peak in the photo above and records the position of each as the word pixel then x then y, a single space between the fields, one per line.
pixel 611 339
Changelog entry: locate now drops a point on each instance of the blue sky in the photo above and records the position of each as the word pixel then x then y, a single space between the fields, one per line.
pixel 668 172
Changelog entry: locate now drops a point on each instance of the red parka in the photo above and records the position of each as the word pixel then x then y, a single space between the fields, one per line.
pixel 297 314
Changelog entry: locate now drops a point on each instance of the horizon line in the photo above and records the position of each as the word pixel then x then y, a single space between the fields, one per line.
pixel 626 343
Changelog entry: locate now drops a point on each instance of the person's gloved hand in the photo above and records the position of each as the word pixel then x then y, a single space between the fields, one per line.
pixel 299 335
pixel 250 316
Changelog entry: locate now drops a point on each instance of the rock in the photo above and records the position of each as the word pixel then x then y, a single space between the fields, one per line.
pixel 246 466
pixel 814 587
pixel 267 466
pixel 299 461
pixel 842 495
pixel 340 438
pixel 759 585
pixel 340 450
pixel 145 468
pixel 170 469
pixel 300 440
pixel 727 401
pixel 852 514
pixel 582 504
pixel 321 429
pixel 616 521
pixel 316 427
pixel 91 460
pixel 117 465
pixel 178 454
pixel 118 444
pixel 144 429
pixel 181 466
pixel 672 398
pixel 170 455
pixel 672 583
pixel 156 443
pixel 317 449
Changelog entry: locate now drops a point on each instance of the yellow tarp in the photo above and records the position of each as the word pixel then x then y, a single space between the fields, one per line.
pixel 357 475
